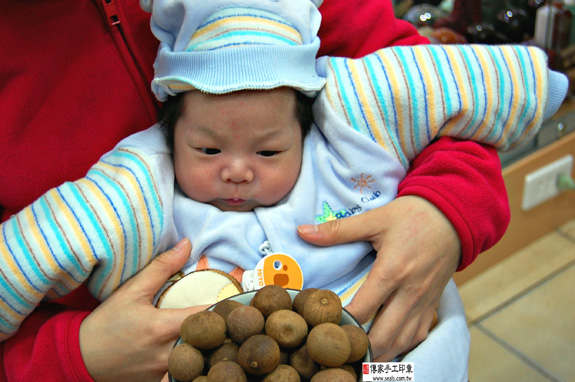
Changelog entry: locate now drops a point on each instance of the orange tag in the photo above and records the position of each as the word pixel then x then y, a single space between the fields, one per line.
pixel 278 269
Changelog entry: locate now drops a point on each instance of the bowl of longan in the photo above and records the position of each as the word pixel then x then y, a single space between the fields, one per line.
pixel 271 334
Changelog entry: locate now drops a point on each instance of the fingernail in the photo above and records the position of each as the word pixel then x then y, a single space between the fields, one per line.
pixel 181 244
pixel 308 229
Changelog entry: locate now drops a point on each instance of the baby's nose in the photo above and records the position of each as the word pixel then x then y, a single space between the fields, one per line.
pixel 238 171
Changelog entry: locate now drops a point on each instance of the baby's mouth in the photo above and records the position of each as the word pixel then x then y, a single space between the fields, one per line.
pixel 234 202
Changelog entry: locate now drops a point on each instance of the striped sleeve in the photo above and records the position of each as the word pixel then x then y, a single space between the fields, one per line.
pixel 102 228
pixel 405 97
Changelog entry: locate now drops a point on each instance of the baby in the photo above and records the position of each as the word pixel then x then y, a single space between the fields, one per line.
pixel 244 161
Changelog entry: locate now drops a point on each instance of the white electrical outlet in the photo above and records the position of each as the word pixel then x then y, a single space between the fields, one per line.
pixel 541 185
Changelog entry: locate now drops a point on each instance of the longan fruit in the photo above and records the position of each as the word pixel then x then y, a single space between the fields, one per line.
pixel 259 354
pixel 271 298
pixel 204 330
pixel 185 362
pixel 224 307
pixel 244 322
pixel 283 373
pixel 358 340
pixel 350 369
pixel 328 345
pixel 322 306
pixel 303 363
pixel 333 375
pixel 300 299
pixel 228 351
pixel 227 371
pixel 288 328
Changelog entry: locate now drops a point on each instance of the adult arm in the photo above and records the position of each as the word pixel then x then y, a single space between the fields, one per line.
pixel 62 344
pixel 456 177
pixel 417 245
pixel 105 227
pixel 418 238
pixel 350 31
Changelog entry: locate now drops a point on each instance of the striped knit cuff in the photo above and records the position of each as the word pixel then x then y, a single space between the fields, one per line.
pixel 558 84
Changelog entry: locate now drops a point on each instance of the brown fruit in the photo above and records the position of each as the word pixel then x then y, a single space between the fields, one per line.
pixel 333 375
pixel 226 352
pixel 350 369
pixel 283 373
pixel 204 330
pixel 244 322
pixel 358 340
pixel 303 363
pixel 288 328
pixel 300 299
pixel 224 307
pixel 185 362
pixel 328 345
pixel 259 354
pixel 227 371
pixel 271 298
pixel 201 378
pixel 322 306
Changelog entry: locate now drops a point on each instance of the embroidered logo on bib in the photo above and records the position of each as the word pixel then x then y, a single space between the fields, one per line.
pixel 363 182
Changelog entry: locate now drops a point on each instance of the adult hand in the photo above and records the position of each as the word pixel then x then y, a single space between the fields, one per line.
pixel 418 251
pixel 127 338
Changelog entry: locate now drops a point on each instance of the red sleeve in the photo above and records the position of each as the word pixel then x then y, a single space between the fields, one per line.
pixel 349 30
pixel 70 91
pixel 455 176
pixel 464 180
pixel 47 346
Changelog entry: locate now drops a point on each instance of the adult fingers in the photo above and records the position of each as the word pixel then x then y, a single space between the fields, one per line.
pixel 150 279
pixel 172 318
pixel 374 292
pixel 411 333
pixel 354 228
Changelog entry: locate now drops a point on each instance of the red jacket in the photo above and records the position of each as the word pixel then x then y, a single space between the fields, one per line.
pixel 75 82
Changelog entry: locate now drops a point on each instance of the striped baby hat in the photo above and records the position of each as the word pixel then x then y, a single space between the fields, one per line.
pixel 221 46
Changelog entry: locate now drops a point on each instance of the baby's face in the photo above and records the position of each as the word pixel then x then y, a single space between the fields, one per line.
pixel 240 150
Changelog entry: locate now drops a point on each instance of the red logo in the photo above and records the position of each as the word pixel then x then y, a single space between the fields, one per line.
pixel 365 368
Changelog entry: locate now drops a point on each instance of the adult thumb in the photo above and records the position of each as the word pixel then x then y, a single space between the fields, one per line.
pixel 354 228
pixel 163 266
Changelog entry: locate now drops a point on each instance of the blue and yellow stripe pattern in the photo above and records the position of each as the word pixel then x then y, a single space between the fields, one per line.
pixel 405 97
pixel 98 229
pixel 237 26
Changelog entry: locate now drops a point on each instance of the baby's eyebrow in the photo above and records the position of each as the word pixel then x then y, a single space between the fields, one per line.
pixel 269 134
pixel 206 131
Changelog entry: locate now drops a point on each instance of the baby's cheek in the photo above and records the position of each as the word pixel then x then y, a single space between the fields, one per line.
pixel 281 186
pixel 194 185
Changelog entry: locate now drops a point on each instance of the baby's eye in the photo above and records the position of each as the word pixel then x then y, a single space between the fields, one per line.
pixel 209 151
pixel 267 153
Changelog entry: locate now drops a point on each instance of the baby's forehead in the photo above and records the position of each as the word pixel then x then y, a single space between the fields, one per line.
pixel 263 114
pixel 280 99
